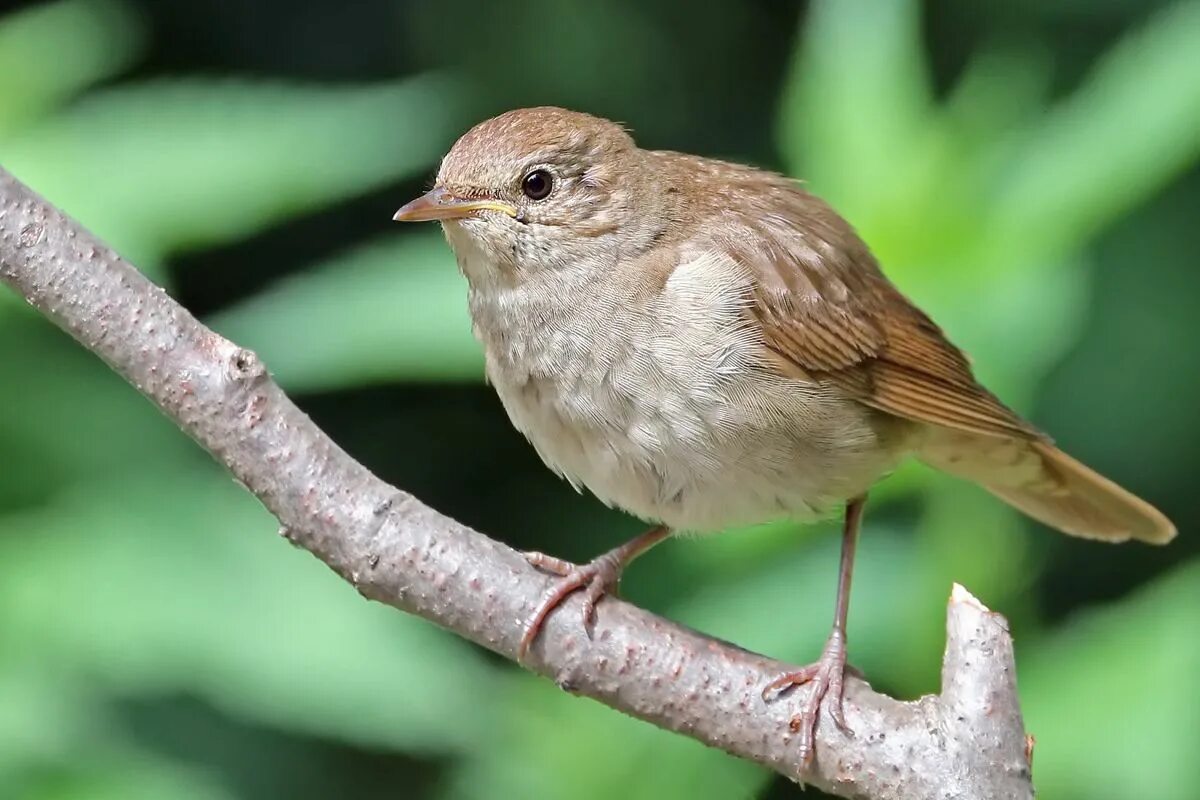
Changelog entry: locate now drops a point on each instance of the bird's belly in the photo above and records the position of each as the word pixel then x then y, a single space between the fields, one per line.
pixel 661 403
pixel 702 462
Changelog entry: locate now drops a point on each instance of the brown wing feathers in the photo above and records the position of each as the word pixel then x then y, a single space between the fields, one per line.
pixel 827 312
pixel 825 307
pixel 922 376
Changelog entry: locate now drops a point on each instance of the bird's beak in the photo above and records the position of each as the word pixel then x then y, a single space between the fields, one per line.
pixel 438 204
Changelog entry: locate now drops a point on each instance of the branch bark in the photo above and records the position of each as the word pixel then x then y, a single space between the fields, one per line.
pixel 967 742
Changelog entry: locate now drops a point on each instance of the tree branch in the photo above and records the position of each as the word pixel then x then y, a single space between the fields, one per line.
pixel 967 742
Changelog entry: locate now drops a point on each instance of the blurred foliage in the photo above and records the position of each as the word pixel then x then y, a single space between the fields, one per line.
pixel 364 319
pixel 139 585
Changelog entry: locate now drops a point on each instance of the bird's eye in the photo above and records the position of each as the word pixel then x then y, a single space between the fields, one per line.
pixel 537 184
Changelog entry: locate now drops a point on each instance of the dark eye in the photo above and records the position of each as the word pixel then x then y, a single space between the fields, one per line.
pixel 537 184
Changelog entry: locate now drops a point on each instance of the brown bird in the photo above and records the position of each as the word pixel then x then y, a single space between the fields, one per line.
pixel 705 345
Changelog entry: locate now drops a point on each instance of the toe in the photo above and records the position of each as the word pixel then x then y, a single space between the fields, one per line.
pixel 827 684
pixel 551 600
pixel 833 701
pixel 549 564
pixel 787 680
pixel 595 590
pixel 808 727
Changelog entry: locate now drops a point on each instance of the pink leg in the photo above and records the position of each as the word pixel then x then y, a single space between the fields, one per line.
pixel 598 577
pixel 827 674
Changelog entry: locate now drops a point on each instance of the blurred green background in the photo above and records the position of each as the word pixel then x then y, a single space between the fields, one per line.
pixel 1026 170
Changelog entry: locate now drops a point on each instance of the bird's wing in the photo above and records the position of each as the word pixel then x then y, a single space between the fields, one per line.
pixel 828 312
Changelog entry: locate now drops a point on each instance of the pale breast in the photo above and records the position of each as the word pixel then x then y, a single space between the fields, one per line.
pixel 658 401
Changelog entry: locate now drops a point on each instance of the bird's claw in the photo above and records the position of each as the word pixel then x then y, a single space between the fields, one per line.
pixel 597 578
pixel 827 677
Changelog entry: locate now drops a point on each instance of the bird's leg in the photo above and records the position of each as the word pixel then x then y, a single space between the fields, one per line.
pixel 598 577
pixel 828 673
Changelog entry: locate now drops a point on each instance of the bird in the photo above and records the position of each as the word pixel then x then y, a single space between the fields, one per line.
pixel 708 345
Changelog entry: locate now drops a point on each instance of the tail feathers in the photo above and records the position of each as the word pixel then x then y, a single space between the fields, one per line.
pixel 1048 485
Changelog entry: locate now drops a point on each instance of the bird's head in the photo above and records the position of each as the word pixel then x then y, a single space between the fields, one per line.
pixel 540 189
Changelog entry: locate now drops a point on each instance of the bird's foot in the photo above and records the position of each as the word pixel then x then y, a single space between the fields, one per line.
pixel 597 578
pixel 827 677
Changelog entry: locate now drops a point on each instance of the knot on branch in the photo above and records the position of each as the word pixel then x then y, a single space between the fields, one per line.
pixel 245 367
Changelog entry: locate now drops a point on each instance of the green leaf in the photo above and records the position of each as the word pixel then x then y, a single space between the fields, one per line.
pixel 175 582
pixel 1110 697
pixel 45 712
pixel 158 168
pixel 1133 125
pixel 856 102
pixel 393 310
pixel 56 741
pixel 105 772
pixel 1001 89
pixel 65 417
pixel 50 51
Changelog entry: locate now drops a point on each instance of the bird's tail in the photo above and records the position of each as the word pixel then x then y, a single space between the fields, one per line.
pixel 1048 485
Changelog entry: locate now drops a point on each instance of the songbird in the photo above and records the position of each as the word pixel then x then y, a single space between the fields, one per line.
pixel 707 345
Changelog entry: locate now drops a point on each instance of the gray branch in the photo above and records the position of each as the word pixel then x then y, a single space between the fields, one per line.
pixel 968 742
